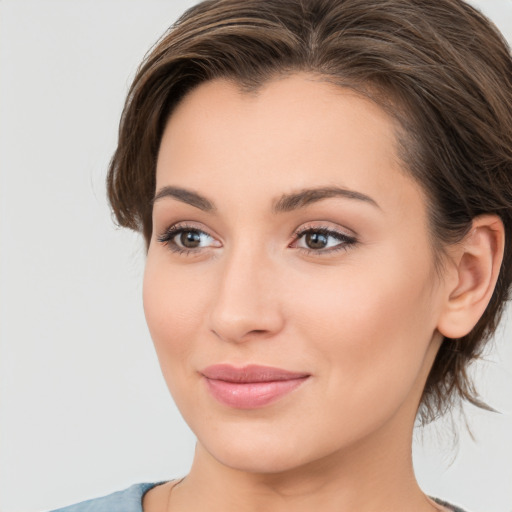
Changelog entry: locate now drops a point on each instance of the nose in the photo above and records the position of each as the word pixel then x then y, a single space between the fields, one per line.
pixel 246 305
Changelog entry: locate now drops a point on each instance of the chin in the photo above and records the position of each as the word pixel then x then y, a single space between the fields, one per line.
pixel 263 448
pixel 253 459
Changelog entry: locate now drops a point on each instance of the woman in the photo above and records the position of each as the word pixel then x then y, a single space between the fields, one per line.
pixel 325 192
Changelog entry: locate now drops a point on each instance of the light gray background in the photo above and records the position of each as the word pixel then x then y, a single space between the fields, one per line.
pixel 83 408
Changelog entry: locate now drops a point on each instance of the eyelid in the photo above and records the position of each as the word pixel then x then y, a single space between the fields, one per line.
pixel 323 225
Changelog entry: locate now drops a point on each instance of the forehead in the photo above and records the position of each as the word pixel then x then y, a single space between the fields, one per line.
pixel 302 101
pixel 293 132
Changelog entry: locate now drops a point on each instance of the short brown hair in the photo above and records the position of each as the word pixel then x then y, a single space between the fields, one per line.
pixel 439 66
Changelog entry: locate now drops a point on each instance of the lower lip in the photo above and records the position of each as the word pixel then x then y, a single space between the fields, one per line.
pixel 251 395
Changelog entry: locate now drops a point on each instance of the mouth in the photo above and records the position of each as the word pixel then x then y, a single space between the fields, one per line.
pixel 251 386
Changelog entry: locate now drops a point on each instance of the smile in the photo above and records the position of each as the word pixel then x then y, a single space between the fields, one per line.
pixel 252 386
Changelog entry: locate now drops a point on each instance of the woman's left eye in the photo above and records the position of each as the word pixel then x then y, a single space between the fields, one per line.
pixel 187 239
pixel 322 240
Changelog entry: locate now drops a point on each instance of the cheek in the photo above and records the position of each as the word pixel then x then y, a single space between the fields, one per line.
pixel 173 306
pixel 369 325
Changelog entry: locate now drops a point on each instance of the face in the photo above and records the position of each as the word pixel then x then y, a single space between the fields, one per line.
pixel 290 284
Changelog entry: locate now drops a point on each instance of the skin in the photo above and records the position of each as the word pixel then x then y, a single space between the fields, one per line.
pixel 364 321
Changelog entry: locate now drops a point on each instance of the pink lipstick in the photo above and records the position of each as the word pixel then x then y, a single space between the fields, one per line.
pixel 252 386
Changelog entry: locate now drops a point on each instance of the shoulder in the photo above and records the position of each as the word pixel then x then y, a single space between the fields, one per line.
pixel 127 500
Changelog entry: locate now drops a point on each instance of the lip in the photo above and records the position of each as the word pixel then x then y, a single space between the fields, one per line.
pixel 251 386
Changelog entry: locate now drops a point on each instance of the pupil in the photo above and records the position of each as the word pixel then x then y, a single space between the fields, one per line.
pixel 190 239
pixel 316 240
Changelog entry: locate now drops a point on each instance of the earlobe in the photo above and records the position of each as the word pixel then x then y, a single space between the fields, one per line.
pixel 477 263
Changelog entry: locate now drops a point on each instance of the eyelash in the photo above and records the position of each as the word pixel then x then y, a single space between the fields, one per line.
pixel 345 241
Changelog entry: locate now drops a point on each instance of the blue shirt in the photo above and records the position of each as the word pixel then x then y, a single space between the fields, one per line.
pixel 130 500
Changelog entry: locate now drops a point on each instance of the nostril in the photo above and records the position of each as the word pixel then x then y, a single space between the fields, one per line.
pixel 228 335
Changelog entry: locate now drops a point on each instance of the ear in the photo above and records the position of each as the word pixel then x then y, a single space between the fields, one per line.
pixel 472 275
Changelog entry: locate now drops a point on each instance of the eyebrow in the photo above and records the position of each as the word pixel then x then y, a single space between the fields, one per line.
pixel 303 198
pixel 185 196
pixel 286 203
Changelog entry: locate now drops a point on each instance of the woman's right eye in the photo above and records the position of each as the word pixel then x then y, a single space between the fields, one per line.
pixel 184 239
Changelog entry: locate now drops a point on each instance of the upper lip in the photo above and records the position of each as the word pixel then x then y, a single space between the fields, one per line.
pixel 250 373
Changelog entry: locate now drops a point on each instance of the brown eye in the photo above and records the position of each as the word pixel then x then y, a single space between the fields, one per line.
pixel 316 240
pixel 189 239
pixel 322 240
